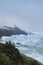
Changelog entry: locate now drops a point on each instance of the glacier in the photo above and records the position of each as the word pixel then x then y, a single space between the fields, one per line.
pixel 30 45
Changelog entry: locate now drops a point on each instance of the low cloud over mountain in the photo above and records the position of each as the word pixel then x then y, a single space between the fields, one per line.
pixel 7 31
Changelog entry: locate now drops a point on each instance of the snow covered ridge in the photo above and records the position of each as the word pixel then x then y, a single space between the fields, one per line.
pixel 29 40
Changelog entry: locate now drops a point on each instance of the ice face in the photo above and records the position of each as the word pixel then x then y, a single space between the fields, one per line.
pixel 30 45
pixel 32 52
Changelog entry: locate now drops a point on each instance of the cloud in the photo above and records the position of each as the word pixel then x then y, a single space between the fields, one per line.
pixel 28 15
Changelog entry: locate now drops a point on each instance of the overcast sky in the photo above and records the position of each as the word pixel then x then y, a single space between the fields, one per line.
pixel 26 14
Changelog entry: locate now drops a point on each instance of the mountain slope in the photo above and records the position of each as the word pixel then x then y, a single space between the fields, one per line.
pixel 7 31
pixel 9 55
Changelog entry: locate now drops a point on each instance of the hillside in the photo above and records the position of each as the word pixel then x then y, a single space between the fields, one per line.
pixel 9 55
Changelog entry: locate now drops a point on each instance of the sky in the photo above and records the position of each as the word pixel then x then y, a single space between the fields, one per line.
pixel 26 14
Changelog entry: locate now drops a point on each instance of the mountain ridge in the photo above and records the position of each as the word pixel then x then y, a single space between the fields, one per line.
pixel 8 31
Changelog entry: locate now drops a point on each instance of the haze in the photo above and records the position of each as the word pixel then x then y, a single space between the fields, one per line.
pixel 26 14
